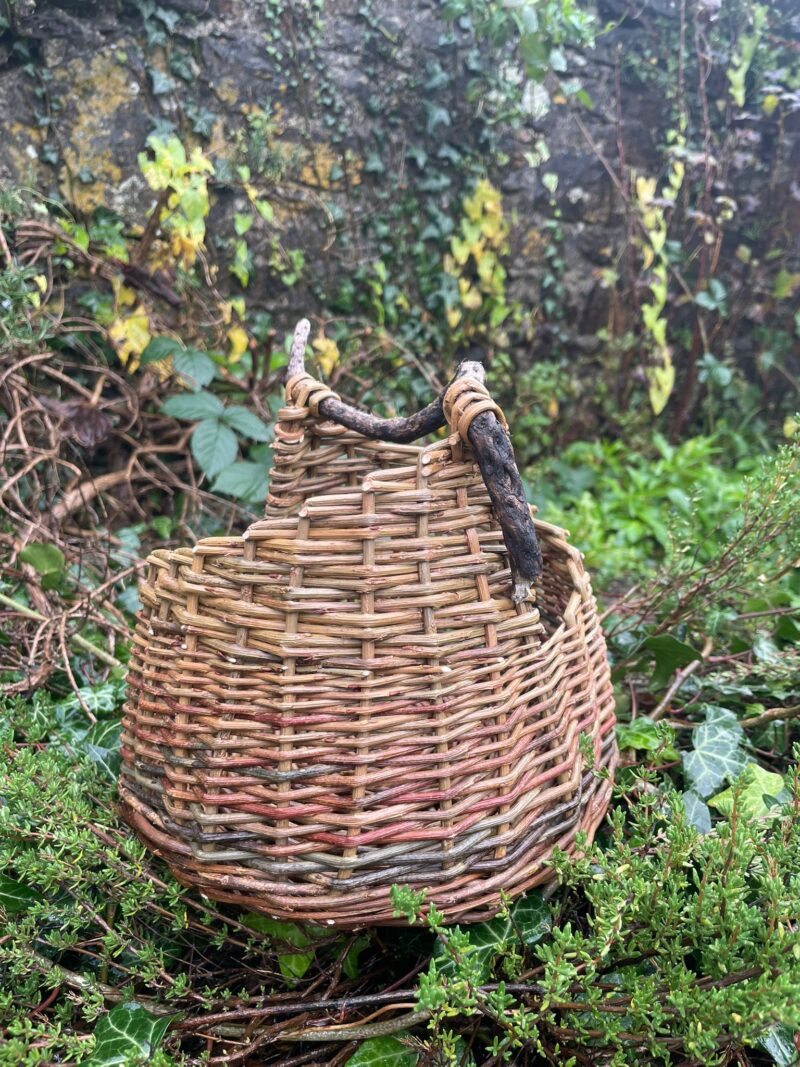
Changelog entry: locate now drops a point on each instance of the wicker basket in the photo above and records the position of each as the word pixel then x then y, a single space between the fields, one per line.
pixel 346 697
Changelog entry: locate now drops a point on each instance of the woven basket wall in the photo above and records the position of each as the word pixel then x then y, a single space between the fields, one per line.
pixel 345 697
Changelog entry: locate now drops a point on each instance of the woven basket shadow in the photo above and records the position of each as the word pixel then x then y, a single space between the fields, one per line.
pixel 346 697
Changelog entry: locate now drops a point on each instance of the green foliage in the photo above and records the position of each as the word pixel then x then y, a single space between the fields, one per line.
pixel 184 178
pixel 624 507
pixel 716 753
pixel 382 1052
pixel 660 904
pixel 673 937
pixel 129 1034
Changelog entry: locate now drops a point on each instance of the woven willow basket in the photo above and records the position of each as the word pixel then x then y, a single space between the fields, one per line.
pixel 346 697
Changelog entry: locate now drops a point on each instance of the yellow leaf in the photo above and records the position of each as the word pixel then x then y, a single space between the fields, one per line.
pixel 41 282
pixel 645 190
pixel 460 251
pixel 453 317
pixel 327 353
pixel 184 249
pixel 131 335
pixel 470 297
pixel 123 295
pixel 791 426
pixel 226 311
pixel 552 408
pixel 239 342
pixel 661 379
pixel 769 103
pixel 647 257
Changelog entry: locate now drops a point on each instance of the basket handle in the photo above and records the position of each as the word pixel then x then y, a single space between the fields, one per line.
pixel 466 406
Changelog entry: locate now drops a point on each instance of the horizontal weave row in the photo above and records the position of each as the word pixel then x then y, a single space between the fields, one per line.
pixel 345 697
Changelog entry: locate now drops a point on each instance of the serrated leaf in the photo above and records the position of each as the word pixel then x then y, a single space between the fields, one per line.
pixel 14 896
pixel 45 559
pixel 697 811
pixel 247 423
pixel 670 654
pixel 159 348
pixel 383 1052
pixel 128 1035
pixel 716 753
pixel 755 792
pixel 195 366
pixel 193 406
pixel 214 446
pixel 244 480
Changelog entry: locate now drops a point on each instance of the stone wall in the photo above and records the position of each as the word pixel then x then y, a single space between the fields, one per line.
pixel 366 100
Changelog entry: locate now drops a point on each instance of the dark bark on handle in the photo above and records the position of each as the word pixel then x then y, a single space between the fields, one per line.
pixel 400 431
pixel 495 455
pixel 490 443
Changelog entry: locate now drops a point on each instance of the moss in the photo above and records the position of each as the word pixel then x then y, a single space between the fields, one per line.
pixel 227 92
pixel 99 92
pixel 322 159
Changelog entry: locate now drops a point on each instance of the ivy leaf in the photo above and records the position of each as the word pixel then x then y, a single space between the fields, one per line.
pixel 244 480
pixel 350 961
pixel 716 753
pixel 106 697
pixel 660 381
pixel 755 793
pixel 194 365
pixel 532 917
pixel 214 446
pixel 264 208
pixel 383 1052
pixel 162 83
pixel 292 964
pixel 101 745
pixel 192 407
pixel 647 736
pixel 697 811
pixel 14 896
pixel 670 654
pixel 129 1034
pixel 247 423
pixel 778 1043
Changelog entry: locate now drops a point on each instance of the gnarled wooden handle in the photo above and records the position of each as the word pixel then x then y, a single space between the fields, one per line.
pixel 472 413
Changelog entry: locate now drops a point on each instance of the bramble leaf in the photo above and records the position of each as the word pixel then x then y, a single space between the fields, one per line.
pixel 193 406
pixel 247 423
pixel 244 480
pixel 214 446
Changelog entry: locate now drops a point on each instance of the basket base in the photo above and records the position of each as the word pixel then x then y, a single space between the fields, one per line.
pixel 470 897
